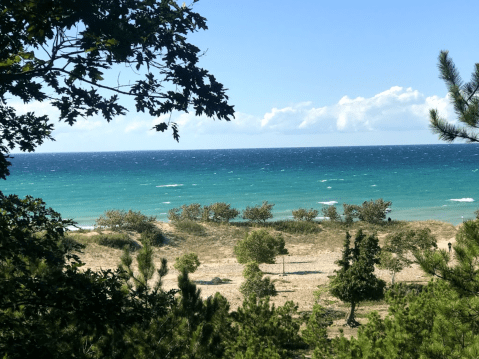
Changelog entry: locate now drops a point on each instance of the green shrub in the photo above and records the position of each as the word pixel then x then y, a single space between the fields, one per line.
pixel 296 227
pixel 259 246
pixel 222 212
pixel 265 331
pixel 154 236
pixel 302 214
pixel 316 334
pixel 174 214
pixel 259 213
pixel 373 211
pixel 188 262
pixel 331 212
pixel 255 283
pixel 119 220
pixel 191 212
pixel 190 227
pixel 350 212
pixel 206 214
pixel 115 240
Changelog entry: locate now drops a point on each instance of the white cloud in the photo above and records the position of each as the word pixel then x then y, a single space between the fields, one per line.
pixel 396 109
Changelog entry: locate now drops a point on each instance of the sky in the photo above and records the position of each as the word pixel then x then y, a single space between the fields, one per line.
pixel 310 73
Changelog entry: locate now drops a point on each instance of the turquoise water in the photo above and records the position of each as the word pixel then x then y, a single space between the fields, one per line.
pixel 423 181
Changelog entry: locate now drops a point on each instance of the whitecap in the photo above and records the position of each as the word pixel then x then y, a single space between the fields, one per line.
pixel 323 181
pixel 462 200
pixel 329 187
pixel 329 203
pixel 170 185
pixel 373 185
pixel 166 202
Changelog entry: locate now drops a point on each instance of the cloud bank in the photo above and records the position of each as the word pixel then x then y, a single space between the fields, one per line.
pixel 396 109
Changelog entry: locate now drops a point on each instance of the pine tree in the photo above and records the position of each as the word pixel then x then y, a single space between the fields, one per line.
pixel 355 280
pixel 465 99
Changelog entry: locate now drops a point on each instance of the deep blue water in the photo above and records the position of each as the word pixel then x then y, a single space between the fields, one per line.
pixel 422 181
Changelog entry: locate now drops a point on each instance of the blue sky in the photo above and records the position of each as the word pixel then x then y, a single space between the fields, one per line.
pixel 308 73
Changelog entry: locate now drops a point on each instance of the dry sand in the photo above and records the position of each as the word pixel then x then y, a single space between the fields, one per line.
pixel 310 261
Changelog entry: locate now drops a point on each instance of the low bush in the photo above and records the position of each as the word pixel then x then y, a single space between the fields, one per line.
pixel 258 213
pixel 259 246
pixel 115 240
pixel 120 220
pixel 331 212
pixel 296 227
pixel 190 227
pixel 188 262
pixel 191 212
pixel 255 283
pixel 154 236
pixel 302 214
pixel 222 212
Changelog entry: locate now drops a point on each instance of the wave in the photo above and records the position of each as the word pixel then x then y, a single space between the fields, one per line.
pixel 170 185
pixel 329 203
pixel 462 199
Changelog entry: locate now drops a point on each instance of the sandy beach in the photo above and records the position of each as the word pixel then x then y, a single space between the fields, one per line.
pixel 310 261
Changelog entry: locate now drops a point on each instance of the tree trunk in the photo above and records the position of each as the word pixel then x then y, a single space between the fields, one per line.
pixel 350 321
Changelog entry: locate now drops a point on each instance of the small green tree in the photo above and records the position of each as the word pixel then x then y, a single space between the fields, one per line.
pixel 191 212
pixel 373 211
pixel 331 212
pixel 302 214
pixel 255 283
pixel 465 100
pixel 187 262
pixel 355 280
pixel 222 212
pixel 258 213
pixel 174 214
pixel 350 212
pixel 398 249
pixel 120 220
pixel 260 247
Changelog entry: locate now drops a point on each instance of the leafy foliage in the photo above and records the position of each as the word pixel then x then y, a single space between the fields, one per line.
pixel 44 294
pixel 398 249
pixel 295 227
pixel 222 212
pixel 260 247
pixel 114 240
pixel 154 236
pixel 465 100
pixel 258 213
pixel 331 212
pixel 188 262
pixel 255 283
pixel 120 220
pixel 190 227
pixel 65 52
pixel 355 280
pixel 302 214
